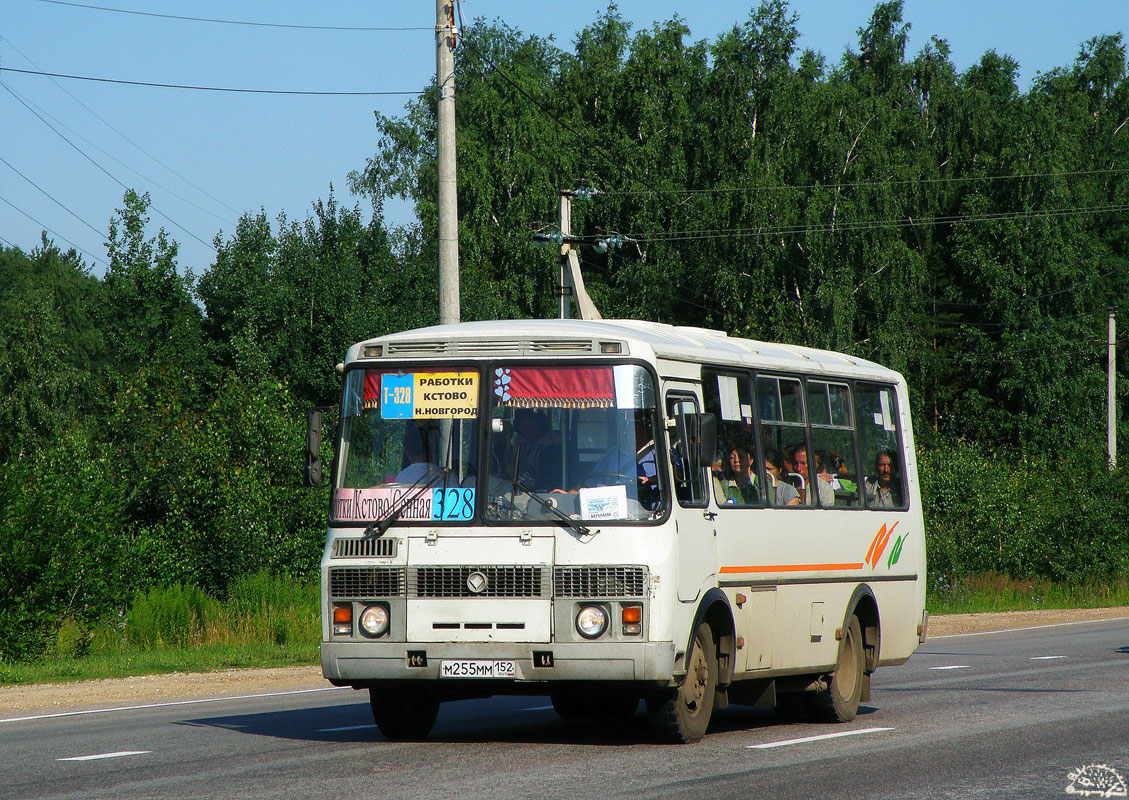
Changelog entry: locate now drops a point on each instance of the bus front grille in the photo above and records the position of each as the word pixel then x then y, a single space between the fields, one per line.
pixel 366 582
pixel 364 548
pixel 493 581
pixel 599 581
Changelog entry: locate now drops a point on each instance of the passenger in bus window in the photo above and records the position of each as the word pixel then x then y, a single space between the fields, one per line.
pixel 645 467
pixel 827 483
pixel 884 489
pixel 738 484
pixel 780 492
pixel 620 462
pixel 823 490
pixel 789 455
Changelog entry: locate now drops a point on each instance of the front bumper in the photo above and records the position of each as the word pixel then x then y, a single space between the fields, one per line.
pixel 362 663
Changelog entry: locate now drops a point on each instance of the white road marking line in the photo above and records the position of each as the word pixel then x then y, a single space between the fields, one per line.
pixel 1045 658
pixel 537 708
pixel 806 739
pixel 118 754
pixel 173 703
pixel 346 728
pixel 953 666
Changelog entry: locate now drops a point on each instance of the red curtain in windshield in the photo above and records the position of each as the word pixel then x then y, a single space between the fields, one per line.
pixel 554 387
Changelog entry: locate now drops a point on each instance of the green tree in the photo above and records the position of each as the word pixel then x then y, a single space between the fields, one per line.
pixel 304 295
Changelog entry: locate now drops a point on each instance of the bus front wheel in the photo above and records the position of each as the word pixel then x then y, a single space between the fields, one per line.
pixel 404 714
pixel 682 715
pixel 839 702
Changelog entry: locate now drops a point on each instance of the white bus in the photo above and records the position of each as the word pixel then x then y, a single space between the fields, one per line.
pixel 610 511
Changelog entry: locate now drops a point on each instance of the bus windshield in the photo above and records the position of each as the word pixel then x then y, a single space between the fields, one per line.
pixel 562 443
pixel 577 440
pixel 408 445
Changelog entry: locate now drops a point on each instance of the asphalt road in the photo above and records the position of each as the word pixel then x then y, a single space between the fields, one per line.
pixel 1014 714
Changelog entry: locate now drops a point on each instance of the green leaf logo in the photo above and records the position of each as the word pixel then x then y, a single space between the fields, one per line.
pixel 896 551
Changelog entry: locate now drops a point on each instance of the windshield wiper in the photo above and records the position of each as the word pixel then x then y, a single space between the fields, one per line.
pixel 422 483
pixel 551 508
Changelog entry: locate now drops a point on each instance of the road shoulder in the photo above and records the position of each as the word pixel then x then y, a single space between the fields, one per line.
pixel 179 686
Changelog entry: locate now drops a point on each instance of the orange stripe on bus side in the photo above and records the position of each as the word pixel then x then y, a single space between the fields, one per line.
pixel 791 568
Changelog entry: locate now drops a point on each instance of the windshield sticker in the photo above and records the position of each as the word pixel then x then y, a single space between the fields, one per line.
pixel 423 395
pixel 379 502
pixel 603 502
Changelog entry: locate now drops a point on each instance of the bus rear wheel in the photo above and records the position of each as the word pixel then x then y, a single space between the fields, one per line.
pixel 404 714
pixel 839 702
pixel 682 715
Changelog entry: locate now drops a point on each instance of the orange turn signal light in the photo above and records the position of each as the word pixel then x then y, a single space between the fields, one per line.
pixel 342 614
pixel 632 614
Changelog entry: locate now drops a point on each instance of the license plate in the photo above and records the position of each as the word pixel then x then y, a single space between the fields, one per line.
pixel 470 668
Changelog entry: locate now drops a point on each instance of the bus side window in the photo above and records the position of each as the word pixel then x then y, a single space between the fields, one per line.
pixel 833 443
pixel 880 445
pixel 783 432
pixel 736 478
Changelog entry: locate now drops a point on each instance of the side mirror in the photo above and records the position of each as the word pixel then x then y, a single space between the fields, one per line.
pixel 703 439
pixel 314 476
pixel 697 438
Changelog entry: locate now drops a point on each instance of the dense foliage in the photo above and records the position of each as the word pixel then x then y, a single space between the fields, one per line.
pixel 964 231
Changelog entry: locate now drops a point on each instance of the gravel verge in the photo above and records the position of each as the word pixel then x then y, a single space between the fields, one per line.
pixel 50 698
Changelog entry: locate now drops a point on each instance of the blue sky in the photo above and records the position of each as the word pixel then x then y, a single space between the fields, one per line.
pixel 207 157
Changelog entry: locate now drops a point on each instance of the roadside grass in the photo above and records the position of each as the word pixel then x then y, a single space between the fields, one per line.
pixel 132 663
pixel 265 621
pixel 992 592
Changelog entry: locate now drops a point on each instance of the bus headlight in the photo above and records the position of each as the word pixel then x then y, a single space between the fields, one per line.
pixel 374 621
pixel 591 622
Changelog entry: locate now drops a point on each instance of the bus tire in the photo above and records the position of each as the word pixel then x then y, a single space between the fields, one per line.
pixel 571 705
pixel 839 702
pixel 619 706
pixel 682 715
pixel 404 714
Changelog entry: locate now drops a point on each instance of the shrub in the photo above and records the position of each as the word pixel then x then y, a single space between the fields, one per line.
pixel 1063 519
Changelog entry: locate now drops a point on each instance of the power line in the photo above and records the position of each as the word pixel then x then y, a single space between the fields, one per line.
pixel 49 196
pixel 857 184
pixel 106 172
pixel 103 120
pixel 53 233
pixel 122 163
pixel 235 22
pixel 864 225
pixel 205 88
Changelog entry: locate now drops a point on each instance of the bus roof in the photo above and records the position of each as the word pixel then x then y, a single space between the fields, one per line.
pixel 565 337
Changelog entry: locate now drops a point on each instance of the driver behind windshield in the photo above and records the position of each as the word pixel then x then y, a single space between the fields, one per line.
pixel 417 463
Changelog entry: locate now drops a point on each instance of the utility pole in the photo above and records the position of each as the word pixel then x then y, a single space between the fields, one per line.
pixel 445 35
pixel 1111 401
pixel 566 288
pixel 571 281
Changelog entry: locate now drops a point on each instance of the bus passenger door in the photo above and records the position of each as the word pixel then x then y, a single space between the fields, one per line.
pixel 694 521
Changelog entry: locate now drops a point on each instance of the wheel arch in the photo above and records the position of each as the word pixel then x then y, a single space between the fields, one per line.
pixel 714 610
pixel 864 605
